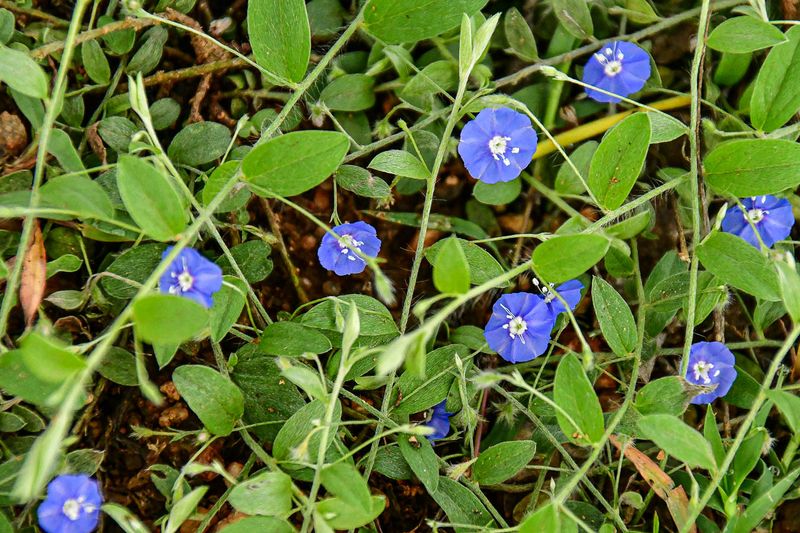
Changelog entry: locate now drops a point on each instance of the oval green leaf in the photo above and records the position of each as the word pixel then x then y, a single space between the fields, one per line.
pixel 213 398
pixel 168 319
pixel 741 35
pixel 753 167
pixel 619 160
pixel 150 199
pixel 415 20
pixel 679 440
pixel 280 36
pixel 615 318
pixel 776 93
pixel 565 257
pixel 739 264
pixel 574 394
pixel 295 162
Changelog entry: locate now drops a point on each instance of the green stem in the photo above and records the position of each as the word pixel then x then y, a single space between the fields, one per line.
pixel 694 182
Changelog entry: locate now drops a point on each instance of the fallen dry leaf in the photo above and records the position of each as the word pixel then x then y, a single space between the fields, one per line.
pixel 34 275
pixel 660 482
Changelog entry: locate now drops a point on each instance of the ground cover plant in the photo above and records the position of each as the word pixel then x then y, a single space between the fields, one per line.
pixel 399 265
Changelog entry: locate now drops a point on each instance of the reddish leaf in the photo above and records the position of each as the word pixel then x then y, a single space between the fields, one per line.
pixel 34 275
pixel 660 482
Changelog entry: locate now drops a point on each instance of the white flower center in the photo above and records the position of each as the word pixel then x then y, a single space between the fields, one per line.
pixel 755 215
pixel 498 145
pixel 73 508
pixel 516 326
pixel 185 280
pixel 611 61
pixel 701 370
pixel 346 243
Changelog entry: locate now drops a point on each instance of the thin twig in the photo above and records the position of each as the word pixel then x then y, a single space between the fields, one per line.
pixel 131 23
pixel 287 259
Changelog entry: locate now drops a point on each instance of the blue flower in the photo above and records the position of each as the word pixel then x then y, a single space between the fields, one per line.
pixel 497 145
pixel 570 291
pixel 191 275
pixel 519 328
pixel 439 422
pixel 771 216
pixel 620 68
pixel 336 254
pixel 711 363
pixel 72 505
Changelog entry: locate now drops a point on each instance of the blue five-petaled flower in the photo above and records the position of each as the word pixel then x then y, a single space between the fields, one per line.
pixel 497 145
pixel 72 505
pixel 439 422
pixel 772 217
pixel 711 363
pixel 339 256
pixel 192 276
pixel 619 67
pixel 521 322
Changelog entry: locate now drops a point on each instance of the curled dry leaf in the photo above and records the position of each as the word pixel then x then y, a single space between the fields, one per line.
pixel 34 275
pixel 660 482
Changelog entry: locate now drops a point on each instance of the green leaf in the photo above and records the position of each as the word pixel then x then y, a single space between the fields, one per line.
pixel 351 92
pixel 268 396
pixel 415 20
pixel 679 440
pixel 60 145
pixel 500 193
pixel 422 459
pixel 21 73
pixel 665 128
pixel 462 506
pixel 519 35
pixel 49 360
pixel 575 16
pixel 253 260
pixel 340 515
pixel 148 56
pixel 739 264
pixel 167 319
pixel 280 36
pixel 546 518
pixel 16 379
pixel 95 62
pixel 776 92
pixel 482 265
pixel 344 481
pixel 565 257
pixel 199 143
pixel 296 162
pixel 400 163
pixel 267 493
pixel 213 398
pixel 119 366
pixel 740 35
pixel 619 160
pixel 361 182
pixel 789 284
pixel 377 324
pixel 567 181
pixel 758 508
pixel 293 339
pixel 438 77
pixel 126 520
pixel 298 440
pixel 416 394
pixel 574 394
pixel 259 523
pixel 502 461
pixel 80 194
pixel 668 395
pixel 789 406
pixel 183 509
pixel 640 12
pixel 615 318
pixel 450 268
pixel 135 264
pixel 753 167
pixel 150 199
pixel 228 304
pixel 6 32
pixel 236 198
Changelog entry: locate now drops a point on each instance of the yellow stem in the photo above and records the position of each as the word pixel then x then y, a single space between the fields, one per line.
pixel 597 127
